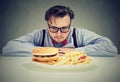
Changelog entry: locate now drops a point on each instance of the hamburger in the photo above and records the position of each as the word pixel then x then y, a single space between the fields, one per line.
pixel 46 55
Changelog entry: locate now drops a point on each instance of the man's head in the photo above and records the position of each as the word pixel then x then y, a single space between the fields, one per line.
pixel 59 22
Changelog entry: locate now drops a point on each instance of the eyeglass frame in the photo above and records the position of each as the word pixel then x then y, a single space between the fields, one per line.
pixel 59 28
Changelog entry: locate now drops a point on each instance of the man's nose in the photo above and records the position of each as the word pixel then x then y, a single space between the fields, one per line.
pixel 59 33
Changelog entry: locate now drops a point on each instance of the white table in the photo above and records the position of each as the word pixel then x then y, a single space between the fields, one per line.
pixel 21 69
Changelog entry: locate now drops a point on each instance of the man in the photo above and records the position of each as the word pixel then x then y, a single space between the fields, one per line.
pixel 60 34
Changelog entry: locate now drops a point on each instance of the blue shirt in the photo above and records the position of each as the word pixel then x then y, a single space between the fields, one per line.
pixel 89 42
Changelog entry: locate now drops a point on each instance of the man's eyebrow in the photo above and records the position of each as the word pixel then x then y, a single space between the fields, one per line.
pixel 62 26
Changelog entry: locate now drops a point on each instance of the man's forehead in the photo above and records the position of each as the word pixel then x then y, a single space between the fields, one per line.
pixel 59 20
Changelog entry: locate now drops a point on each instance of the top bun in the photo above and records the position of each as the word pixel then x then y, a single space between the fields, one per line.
pixel 45 51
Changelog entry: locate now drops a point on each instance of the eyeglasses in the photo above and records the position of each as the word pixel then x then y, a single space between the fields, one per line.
pixel 54 29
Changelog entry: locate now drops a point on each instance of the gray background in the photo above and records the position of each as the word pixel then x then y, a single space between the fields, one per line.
pixel 20 17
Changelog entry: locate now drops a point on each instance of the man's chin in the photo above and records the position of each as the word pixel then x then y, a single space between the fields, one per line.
pixel 59 41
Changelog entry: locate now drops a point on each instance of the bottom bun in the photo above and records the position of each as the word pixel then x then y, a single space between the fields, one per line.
pixel 49 63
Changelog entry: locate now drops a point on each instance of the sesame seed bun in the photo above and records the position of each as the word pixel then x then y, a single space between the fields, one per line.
pixel 44 51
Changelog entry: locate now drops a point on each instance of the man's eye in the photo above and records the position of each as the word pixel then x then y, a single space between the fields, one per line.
pixel 63 28
pixel 55 28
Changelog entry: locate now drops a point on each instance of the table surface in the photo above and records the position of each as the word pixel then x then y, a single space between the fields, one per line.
pixel 22 69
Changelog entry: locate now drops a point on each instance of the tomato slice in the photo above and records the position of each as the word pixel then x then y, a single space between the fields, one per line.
pixel 82 57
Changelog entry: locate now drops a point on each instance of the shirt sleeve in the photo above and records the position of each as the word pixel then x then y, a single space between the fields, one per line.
pixel 23 45
pixel 94 44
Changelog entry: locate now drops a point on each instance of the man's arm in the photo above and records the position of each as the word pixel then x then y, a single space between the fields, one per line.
pixel 94 44
pixel 23 45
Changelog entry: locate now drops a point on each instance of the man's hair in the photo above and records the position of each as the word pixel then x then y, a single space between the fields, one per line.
pixel 58 11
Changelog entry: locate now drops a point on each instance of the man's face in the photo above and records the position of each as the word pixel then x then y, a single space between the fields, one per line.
pixel 63 24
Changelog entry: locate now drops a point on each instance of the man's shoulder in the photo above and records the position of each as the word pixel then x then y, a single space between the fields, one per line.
pixel 79 29
pixel 40 30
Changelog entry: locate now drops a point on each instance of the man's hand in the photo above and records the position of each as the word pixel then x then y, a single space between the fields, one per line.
pixel 62 51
